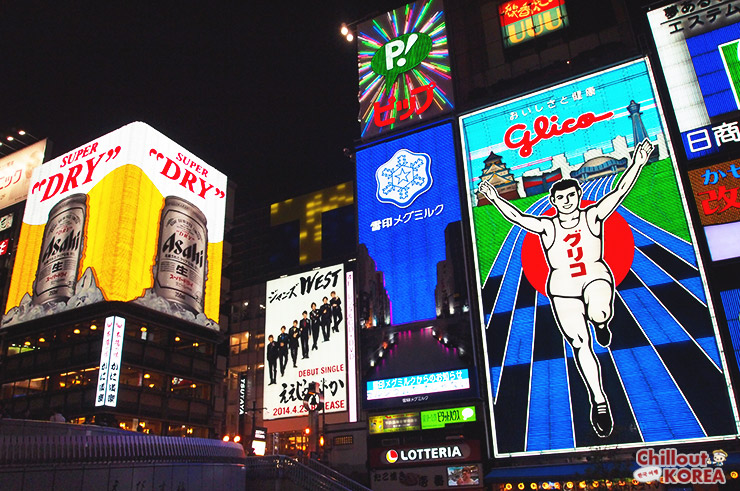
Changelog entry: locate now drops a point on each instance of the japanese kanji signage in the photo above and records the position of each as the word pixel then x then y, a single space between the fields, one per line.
pixel 404 68
pixel 409 223
pixel 428 477
pixel 522 20
pixel 391 423
pixel 306 342
pixel 109 372
pixel 697 44
pixel 716 192
pixel 589 272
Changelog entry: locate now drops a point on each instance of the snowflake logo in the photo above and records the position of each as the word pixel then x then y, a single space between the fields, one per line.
pixel 403 178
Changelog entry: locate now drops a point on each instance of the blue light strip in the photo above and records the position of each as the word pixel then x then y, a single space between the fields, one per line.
pixel 547 428
pixel 659 407
pixel 519 347
pixel 731 304
pixel 677 246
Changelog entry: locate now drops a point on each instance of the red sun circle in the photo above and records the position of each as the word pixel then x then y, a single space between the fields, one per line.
pixel 619 250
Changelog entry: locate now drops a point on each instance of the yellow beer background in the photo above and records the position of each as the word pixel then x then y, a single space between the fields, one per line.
pixel 120 245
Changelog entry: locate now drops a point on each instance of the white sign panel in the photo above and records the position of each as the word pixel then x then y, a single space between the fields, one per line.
pixel 110 362
pixel 303 348
pixel 15 173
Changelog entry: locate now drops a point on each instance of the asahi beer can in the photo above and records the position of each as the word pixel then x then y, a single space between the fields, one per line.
pixel 61 249
pixel 180 272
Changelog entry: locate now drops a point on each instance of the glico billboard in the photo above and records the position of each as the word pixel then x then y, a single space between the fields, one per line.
pixel 413 310
pixel 598 326
pixel 404 68
pixel 306 341
pixel 697 44
pixel 131 216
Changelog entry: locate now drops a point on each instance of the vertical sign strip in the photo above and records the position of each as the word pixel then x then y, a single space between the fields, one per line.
pixel 351 344
pixel 104 362
pixel 114 368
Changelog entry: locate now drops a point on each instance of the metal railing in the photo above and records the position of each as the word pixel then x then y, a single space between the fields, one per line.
pixel 89 447
pixel 306 473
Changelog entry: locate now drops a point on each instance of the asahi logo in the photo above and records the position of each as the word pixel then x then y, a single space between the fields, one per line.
pixel 174 245
pixel 70 243
pixel 430 453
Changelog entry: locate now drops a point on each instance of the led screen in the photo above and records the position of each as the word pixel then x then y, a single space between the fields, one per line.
pixel 304 348
pixel 523 20
pixel 404 68
pixel 697 46
pixel 130 216
pixel 413 310
pixel 597 323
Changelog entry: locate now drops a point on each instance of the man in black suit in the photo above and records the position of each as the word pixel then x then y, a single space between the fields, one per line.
pixel 282 342
pixel 336 310
pixel 315 325
pixel 293 334
pixel 325 315
pixel 272 356
pixel 305 328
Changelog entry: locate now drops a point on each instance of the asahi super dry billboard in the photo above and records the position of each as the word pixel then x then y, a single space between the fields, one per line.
pixel 131 216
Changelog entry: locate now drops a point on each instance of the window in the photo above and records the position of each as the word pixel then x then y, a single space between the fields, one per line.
pixel 239 343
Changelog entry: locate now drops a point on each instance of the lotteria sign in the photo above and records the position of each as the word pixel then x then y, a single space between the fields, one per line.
pixel 441 452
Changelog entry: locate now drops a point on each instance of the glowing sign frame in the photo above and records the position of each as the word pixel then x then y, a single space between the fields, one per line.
pixel 554 421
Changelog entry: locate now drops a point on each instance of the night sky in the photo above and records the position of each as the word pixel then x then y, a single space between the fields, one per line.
pixel 263 91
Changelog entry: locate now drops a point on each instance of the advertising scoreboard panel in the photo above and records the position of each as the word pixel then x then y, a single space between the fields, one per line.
pixel 304 348
pixel 131 216
pixel 697 45
pixel 597 323
pixel 404 68
pixel 415 337
pixel 523 20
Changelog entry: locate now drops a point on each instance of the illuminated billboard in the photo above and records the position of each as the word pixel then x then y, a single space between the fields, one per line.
pixel 404 68
pixel 132 216
pixel 411 276
pixel 697 47
pixel 598 327
pixel 306 341
pixel 523 20
pixel 15 172
pixel 111 352
pixel 715 194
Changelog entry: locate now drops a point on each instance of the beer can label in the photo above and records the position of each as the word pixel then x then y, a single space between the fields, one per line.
pixel 61 248
pixel 181 259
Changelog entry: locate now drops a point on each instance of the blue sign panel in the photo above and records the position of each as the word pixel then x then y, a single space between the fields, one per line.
pixel 598 326
pixel 413 303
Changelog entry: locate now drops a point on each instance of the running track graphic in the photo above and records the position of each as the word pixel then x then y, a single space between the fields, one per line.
pixel 662 373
